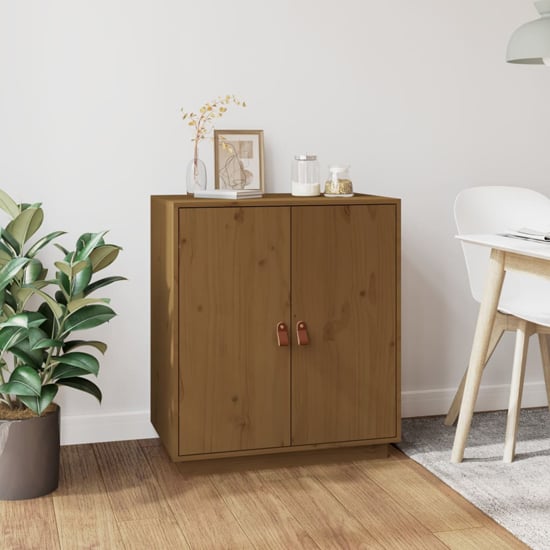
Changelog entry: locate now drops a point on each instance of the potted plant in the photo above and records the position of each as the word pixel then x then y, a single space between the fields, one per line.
pixel 39 352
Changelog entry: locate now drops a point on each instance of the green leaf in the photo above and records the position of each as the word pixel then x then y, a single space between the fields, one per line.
pixel 102 256
pixel 32 271
pixel 67 371
pixel 8 205
pixel 5 255
pixel 11 336
pixel 81 278
pixel 27 355
pixel 25 225
pixel 64 267
pixel 101 283
pixel 41 243
pixel 87 242
pixel 23 381
pixel 24 320
pixel 10 270
pixel 10 241
pixel 57 310
pixel 88 317
pixel 75 305
pixel 40 404
pixel 72 344
pixel 81 360
pixel 82 384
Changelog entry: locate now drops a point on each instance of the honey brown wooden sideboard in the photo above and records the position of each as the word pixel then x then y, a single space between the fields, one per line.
pixel 275 323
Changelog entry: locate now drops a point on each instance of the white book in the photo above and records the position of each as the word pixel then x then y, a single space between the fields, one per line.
pixel 229 194
pixel 529 233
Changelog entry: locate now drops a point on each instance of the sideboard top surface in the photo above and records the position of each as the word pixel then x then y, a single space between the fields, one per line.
pixel 273 199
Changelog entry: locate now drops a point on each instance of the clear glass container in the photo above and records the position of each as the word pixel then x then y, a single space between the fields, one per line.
pixel 338 183
pixel 305 176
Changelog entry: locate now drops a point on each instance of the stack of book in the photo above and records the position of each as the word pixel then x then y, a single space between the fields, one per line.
pixel 229 194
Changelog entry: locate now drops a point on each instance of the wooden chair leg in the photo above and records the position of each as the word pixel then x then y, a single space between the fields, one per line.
pixel 523 332
pixel 544 344
pixel 496 335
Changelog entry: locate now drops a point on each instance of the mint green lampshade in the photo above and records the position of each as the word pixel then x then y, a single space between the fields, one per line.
pixel 530 43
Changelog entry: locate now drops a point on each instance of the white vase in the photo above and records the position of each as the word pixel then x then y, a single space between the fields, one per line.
pixel 196 176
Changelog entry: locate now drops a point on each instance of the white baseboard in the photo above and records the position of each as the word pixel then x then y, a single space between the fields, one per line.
pixel 490 398
pixel 97 428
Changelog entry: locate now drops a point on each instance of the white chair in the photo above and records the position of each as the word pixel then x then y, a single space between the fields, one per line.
pixel 524 305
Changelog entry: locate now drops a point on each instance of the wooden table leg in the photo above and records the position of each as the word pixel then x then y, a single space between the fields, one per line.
pixel 484 327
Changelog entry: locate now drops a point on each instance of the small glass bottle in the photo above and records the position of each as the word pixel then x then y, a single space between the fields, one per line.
pixel 338 183
pixel 305 176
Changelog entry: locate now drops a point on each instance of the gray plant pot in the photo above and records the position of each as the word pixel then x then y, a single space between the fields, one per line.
pixel 29 456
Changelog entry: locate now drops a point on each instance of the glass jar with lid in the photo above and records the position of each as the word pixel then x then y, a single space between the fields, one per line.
pixel 338 183
pixel 305 176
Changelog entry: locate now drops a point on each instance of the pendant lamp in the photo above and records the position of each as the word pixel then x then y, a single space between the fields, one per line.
pixel 530 43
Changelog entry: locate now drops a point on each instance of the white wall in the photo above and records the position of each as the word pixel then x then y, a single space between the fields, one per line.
pixel 416 96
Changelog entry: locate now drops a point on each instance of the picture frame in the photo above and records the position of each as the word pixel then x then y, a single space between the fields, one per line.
pixel 239 159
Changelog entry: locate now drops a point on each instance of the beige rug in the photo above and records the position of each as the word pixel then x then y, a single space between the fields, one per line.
pixel 515 495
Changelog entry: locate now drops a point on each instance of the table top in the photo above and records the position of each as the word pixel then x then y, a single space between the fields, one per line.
pixel 524 247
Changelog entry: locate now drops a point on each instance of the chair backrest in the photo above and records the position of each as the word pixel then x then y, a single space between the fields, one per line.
pixel 496 209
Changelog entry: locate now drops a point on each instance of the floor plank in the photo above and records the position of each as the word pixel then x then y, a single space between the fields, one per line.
pixel 129 495
pixel 83 510
pixel 389 521
pixel 328 523
pixel 480 538
pixel 28 524
pixel 131 486
pixel 198 507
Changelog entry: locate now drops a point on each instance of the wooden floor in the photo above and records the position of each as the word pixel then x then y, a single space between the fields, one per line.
pixel 129 495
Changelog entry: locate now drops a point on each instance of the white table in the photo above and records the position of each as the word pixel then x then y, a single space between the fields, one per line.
pixel 507 254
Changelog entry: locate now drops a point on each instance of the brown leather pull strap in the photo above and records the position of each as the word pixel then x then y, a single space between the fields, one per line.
pixel 301 333
pixel 282 334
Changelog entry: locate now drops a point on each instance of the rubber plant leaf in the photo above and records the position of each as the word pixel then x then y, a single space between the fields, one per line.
pixel 8 205
pixel 88 317
pixel 24 380
pixel 87 242
pixel 67 371
pixel 72 344
pixel 81 360
pixel 24 320
pixel 75 305
pixel 10 241
pixel 101 283
pixel 102 256
pixel 41 243
pixel 82 384
pixel 10 270
pixel 25 225
pixel 41 403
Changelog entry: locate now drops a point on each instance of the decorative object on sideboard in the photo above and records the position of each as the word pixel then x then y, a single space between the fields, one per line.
pixel 305 176
pixel 201 123
pixel 239 159
pixel 38 352
pixel 338 183
pixel 530 43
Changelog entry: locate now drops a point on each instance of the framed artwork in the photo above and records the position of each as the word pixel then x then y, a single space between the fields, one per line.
pixel 239 159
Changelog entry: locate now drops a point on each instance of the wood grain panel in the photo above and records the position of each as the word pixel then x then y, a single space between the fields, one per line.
pixel 478 539
pixel 28 524
pixel 234 289
pixel 83 510
pixel 198 507
pixel 261 515
pixel 164 323
pixel 130 484
pixel 389 521
pixel 328 523
pixel 148 534
pixel 344 384
pixel 424 499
